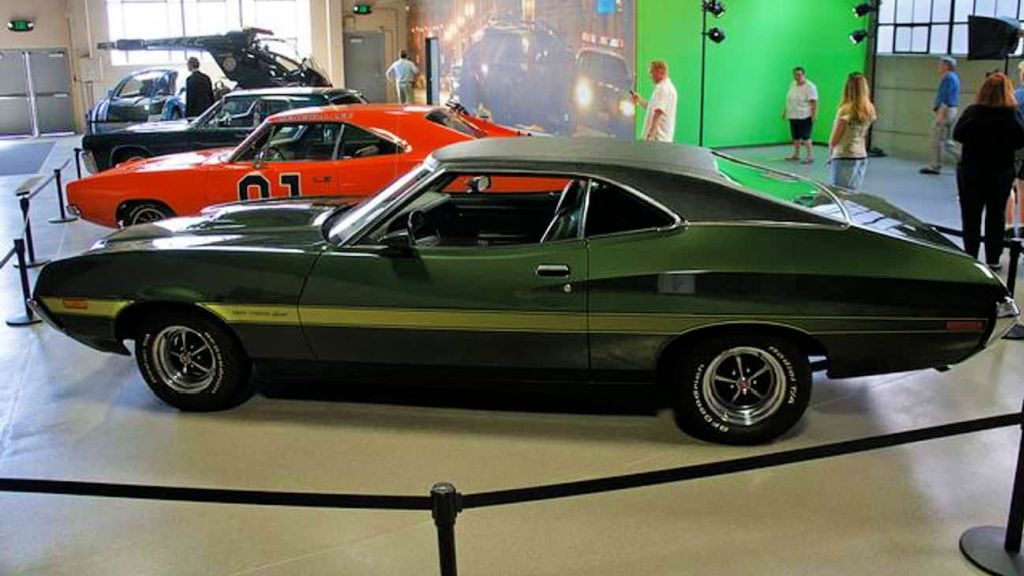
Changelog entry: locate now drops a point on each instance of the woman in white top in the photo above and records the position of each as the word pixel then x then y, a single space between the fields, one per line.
pixel 848 145
pixel 801 111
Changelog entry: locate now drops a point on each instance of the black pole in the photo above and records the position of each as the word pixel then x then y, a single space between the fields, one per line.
pixel 874 66
pixel 703 70
pixel 1016 246
pixel 78 163
pixel 63 216
pixel 27 318
pixel 1015 521
pixel 447 503
pixel 997 550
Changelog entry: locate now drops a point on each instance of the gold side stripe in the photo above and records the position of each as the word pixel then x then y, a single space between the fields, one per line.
pixel 85 307
pixel 460 320
pixel 255 314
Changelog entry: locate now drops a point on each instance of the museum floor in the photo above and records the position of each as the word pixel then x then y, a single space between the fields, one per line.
pixel 69 413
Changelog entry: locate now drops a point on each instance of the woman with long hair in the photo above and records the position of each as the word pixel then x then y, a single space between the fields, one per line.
pixel 848 146
pixel 991 132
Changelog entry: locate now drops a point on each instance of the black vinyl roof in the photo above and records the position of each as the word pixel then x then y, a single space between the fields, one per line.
pixel 537 152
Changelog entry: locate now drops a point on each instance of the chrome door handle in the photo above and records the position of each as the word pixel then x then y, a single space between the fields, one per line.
pixel 553 271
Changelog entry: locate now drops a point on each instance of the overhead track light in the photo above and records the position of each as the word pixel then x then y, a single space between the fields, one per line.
pixel 862 10
pixel 858 36
pixel 715 7
pixel 716 35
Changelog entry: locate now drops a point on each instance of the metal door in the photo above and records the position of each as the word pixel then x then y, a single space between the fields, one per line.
pixel 15 106
pixel 51 85
pixel 365 66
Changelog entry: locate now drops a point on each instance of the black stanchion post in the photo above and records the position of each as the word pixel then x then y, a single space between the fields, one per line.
pixel 63 217
pixel 27 318
pixel 997 550
pixel 30 247
pixel 447 503
pixel 1017 332
pixel 78 163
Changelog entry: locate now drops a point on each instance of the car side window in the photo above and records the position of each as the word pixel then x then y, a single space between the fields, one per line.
pixel 612 210
pixel 303 142
pixel 358 142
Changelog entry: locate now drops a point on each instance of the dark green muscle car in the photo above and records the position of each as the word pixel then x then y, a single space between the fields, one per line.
pixel 543 260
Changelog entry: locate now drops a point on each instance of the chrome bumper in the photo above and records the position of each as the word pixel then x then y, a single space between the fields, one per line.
pixel 43 313
pixel 1007 315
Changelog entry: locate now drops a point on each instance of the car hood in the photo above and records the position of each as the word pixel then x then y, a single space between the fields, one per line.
pixel 267 225
pixel 875 213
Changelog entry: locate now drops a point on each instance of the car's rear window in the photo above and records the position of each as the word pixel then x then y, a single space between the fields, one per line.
pixel 783 187
pixel 449 120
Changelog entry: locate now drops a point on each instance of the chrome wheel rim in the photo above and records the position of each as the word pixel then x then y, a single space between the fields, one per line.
pixel 744 385
pixel 146 215
pixel 184 359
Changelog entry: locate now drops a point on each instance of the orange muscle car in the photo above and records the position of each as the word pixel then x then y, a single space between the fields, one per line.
pixel 334 150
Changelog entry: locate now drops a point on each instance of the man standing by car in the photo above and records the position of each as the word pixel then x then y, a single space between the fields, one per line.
pixel 403 73
pixel 198 90
pixel 660 122
pixel 947 100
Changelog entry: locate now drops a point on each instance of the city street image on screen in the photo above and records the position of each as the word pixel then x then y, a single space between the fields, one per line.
pixel 547 66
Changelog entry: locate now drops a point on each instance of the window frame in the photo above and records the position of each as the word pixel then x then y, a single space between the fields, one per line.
pixel 950 22
pixel 677 220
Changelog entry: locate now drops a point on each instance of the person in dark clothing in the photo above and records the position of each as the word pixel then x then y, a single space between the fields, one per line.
pixel 198 90
pixel 991 131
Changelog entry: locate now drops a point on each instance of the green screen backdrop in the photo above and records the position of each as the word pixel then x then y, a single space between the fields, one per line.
pixel 749 74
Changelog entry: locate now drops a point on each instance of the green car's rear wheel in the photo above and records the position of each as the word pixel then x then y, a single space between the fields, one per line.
pixel 193 363
pixel 741 389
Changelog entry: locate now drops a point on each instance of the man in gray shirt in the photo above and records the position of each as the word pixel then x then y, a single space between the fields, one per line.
pixel 403 73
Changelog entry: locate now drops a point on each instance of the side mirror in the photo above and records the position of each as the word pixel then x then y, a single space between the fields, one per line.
pixel 479 184
pixel 398 243
pixel 110 93
pixel 258 159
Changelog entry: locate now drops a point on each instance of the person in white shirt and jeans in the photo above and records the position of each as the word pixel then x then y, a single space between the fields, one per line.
pixel 403 73
pixel 660 122
pixel 801 111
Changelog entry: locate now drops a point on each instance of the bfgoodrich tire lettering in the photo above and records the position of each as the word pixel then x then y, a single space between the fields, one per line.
pixel 740 390
pixel 193 363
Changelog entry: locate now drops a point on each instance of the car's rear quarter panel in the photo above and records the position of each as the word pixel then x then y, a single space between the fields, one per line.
pixel 874 303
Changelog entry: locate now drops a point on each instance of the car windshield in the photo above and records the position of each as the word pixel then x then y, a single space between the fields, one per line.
pixel 145 84
pixel 782 187
pixel 351 222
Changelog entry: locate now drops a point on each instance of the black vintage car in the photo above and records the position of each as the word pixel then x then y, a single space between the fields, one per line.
pixel 226 123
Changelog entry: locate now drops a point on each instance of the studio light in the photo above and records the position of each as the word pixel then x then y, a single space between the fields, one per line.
pixel 859 36
pixel 715 7
pixel 716 35
pixel 862 10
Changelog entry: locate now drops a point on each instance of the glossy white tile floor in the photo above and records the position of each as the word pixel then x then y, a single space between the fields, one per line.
pixel 69 413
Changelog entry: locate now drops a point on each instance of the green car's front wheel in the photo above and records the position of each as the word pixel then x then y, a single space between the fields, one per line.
pixel 193 363
pixel 741 389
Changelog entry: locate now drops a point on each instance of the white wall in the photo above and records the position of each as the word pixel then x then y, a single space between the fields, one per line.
pixel 904 94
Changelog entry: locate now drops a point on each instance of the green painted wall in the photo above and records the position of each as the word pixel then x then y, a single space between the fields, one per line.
pixel 748 74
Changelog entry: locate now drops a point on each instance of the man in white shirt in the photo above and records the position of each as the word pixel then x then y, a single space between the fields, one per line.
pixel 403 73
pixel 801 111
pixel 660 122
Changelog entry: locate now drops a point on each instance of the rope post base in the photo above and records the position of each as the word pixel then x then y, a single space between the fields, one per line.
pixel 997 550
pixel 26 318
pixel 447 503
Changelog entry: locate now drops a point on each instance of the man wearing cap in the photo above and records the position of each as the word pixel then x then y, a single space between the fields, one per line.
pixel 947 100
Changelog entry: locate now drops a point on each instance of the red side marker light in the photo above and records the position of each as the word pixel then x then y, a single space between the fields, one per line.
pixel 965 325
pixel 76 303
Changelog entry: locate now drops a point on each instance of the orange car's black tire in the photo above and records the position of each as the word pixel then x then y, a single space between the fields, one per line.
pixel 192 362
pixel 144 213
pixel 740 389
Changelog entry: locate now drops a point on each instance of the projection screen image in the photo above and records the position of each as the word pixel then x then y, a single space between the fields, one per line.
pixel 550 66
